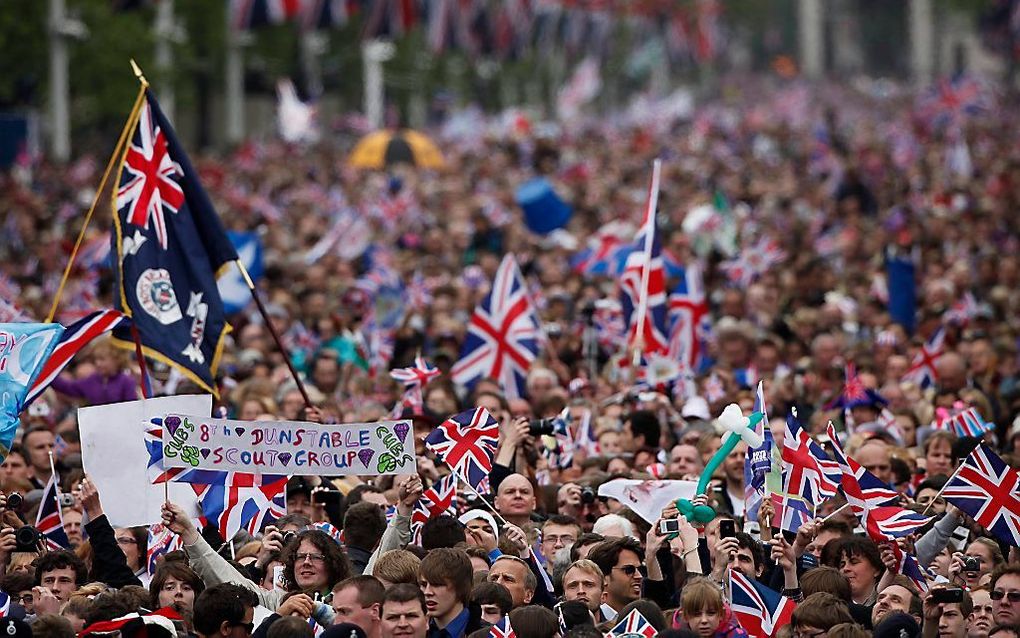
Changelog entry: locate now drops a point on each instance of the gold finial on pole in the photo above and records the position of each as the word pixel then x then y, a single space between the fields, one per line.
pixel 138 73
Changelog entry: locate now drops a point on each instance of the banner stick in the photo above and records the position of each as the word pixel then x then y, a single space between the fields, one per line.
pixel 272 330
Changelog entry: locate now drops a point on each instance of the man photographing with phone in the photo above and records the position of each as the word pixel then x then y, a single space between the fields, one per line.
pixel 947 610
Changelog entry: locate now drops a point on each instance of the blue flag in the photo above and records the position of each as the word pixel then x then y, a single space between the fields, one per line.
pixel 902 290
pixel 233 289
pixel 24 349
pixel 170 245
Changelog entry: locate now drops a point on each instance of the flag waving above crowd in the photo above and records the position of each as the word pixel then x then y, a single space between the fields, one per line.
pixel 169 246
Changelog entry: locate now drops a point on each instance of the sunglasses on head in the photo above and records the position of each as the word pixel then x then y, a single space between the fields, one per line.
pixel 998 594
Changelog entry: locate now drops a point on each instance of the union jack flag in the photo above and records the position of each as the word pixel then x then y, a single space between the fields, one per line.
pixel 759 610
pixel 950 101
pixel 158 474
pixel 688 318
pixel 248 506
pixel 435 501
pixel 602 255
pixel 153 179
pixel 610 327
pixel 466 443
pixel 75 337
pixel 967 422
pixel 922 369
pixel 586 438
pixel 634 623
pixel 161 542
pixel 809 475
pixel 963 310
pixel 5 604
pixel 502 629
pixel 989 491
pixel 753 262
pixel 872 501
pixel 503 335
pixel 50 521
pixel 637 294
pixel 417 375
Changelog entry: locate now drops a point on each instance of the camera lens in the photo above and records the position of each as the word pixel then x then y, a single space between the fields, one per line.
pixel 15 501
pixel 27 538
pixel 587 495
pixel 539 427
pixel 288 537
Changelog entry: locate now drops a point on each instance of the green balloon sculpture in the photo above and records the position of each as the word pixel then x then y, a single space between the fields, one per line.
pixel 738 427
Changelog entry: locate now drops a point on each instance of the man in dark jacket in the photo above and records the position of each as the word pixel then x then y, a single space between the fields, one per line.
pixel 364 524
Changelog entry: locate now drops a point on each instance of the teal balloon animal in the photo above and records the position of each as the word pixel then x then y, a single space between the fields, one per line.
pixel 738 428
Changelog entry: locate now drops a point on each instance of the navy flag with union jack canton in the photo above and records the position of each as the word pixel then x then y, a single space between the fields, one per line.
pixel 170 246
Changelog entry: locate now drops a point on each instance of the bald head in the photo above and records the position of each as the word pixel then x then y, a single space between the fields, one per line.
pixel 515 499
pixel 952 371
pixel 876 456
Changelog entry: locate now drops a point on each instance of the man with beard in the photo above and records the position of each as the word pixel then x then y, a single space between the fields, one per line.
pixel 897 596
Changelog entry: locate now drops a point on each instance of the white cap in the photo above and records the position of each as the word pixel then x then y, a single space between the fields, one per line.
pixel 695 407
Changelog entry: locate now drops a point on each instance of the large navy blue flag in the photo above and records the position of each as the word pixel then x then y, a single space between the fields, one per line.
pixel 170 245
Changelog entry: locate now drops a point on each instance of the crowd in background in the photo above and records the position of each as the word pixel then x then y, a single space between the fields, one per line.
pixel 809 191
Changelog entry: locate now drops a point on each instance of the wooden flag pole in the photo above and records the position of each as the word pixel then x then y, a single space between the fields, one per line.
pixel 272 330
pixel 117 152
pixel 642 310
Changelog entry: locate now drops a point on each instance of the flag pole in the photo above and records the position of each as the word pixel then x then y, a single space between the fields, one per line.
pixel 939 493
pixel 117 151
pixel 653 203
pixel 272 330
pixel 845 505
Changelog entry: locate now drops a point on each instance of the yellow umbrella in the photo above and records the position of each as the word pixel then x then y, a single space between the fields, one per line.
pixel 380 149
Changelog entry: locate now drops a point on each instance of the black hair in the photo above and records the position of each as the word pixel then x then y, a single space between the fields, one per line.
pixel 644 423
pixel 492 594
pixel 441 531
pixel 221 603
pixel 62 559
pixel 364 524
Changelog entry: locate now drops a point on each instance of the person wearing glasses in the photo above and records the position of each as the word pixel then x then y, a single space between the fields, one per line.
pixel 312 563
pixel 225 610
pixel 620 561
pixel 1004 590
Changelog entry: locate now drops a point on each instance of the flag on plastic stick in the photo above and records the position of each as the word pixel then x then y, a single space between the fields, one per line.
pixel 503 335
pixel 50 519
pixel 634 623
pixel 922 369
pixel 872 501
pixel 988 490
pixel 161 542
pixel 759 610
pixel 467 443
pixel 169 246
pixel 809 475
pixel 232 508
pixel 502 629
pixel 435 501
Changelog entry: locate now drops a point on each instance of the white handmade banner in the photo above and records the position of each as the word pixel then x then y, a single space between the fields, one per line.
pixel 114 456
pixel 286 447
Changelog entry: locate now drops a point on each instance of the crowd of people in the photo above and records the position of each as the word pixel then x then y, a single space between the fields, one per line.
pixel 829 181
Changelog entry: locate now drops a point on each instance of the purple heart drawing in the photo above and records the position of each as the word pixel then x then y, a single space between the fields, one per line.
pixel 205 452
pixel 284 457
pixel 171 423
pixel 401 429
pixel 366 456
pixel 240 431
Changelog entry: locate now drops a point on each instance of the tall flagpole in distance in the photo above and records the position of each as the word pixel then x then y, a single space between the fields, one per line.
pixel 272 331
